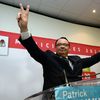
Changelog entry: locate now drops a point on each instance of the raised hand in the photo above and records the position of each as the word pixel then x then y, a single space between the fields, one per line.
pixel 22 18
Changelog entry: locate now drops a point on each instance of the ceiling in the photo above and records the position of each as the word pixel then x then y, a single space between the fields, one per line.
pixel 76 11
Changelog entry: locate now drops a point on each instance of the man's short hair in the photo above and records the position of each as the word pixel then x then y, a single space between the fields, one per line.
pixel 62 38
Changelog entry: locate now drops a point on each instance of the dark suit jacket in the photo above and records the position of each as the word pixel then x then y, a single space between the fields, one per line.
pixel 54 65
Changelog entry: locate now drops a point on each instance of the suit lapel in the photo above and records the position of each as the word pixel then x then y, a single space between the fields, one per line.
pixel 76 66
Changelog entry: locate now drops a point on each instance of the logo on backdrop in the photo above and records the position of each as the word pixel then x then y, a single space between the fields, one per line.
pixel 3 45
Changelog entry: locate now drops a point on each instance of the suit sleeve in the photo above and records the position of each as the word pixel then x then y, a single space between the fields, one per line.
pixel 34 51
pixel 88 62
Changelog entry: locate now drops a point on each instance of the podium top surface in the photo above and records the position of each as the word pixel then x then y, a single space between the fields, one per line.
pixel 92 82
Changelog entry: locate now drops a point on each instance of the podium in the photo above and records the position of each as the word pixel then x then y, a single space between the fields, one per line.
pixel 50 93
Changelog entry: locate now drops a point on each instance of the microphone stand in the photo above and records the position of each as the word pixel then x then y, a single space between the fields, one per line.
pixel 66 80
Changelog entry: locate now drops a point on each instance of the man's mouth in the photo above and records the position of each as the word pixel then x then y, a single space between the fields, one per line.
pixel 62 50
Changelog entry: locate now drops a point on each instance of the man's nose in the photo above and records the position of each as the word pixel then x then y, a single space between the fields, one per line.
pixel 62 46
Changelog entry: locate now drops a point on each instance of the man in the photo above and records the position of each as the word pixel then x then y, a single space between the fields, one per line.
pixel 58 68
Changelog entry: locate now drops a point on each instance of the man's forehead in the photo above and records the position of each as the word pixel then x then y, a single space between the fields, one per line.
pixel 62 40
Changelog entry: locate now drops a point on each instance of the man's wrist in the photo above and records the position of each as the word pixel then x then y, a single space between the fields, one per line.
pixel 25 35
pixel 24 30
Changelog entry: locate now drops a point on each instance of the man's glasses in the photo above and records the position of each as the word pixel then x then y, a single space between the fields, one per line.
pixel 62 44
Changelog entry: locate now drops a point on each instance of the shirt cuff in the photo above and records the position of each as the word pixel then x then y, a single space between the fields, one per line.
pixel 25 35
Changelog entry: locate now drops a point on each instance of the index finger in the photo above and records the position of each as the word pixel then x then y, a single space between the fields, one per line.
pixel 21 6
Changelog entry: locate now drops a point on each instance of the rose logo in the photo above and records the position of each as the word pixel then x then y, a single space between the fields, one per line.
pixel 2 43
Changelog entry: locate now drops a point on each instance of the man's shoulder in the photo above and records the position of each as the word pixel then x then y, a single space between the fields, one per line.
pixel 49 52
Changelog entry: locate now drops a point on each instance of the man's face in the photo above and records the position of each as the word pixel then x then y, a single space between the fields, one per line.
pixel 62 47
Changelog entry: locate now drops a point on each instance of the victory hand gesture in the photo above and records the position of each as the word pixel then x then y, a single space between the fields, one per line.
pixel 22 18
